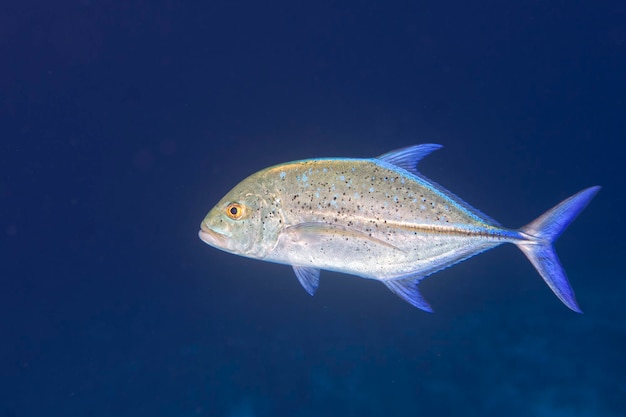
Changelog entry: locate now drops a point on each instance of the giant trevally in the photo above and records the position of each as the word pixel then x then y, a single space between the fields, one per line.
pixel 376 218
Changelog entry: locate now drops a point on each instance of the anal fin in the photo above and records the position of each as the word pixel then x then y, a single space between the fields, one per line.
pixel 406 288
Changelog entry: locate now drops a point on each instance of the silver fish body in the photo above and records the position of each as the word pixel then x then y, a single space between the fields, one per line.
pixel 376 218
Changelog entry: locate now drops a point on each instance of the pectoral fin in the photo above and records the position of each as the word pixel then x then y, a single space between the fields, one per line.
pixel 314 231
pixel 308 277
pixel 406 288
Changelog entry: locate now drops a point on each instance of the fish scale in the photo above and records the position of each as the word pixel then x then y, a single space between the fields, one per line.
pixel 376 218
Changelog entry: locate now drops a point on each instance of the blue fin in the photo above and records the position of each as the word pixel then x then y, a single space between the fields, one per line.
pixel 407 158
pixel 308 277
pixel 406 288
pixel 542 233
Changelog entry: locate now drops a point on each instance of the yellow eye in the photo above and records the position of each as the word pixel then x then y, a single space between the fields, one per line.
pixel 234 211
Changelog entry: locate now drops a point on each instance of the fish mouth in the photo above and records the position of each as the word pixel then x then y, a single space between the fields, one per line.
pixel 210 236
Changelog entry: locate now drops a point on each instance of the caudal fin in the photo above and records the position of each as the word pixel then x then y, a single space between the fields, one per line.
pixel 542 233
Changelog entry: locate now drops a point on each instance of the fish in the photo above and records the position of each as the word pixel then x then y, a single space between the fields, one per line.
pixel 376 218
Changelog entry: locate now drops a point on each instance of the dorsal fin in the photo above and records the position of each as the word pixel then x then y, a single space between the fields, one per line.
pixel 407 158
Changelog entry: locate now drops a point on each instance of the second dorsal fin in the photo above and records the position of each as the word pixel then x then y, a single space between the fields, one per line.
pixel 407 158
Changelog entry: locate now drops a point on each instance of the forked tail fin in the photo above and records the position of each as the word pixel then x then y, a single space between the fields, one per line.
pixel 542 233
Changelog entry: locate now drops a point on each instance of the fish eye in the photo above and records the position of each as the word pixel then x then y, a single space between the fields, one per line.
pixel 234 211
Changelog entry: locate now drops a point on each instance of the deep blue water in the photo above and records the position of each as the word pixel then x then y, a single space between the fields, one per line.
pixel 123 122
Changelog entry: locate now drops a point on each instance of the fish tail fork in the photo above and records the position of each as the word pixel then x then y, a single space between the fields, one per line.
pixel 540 236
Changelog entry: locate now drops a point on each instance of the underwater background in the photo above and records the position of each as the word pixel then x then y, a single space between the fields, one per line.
pixel 123 122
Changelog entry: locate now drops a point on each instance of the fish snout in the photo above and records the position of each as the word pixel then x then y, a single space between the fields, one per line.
pixel 211 237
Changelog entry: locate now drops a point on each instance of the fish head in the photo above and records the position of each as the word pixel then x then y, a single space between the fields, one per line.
pixel 245 222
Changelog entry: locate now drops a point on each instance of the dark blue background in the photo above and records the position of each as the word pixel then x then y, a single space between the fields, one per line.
pixel 123 122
